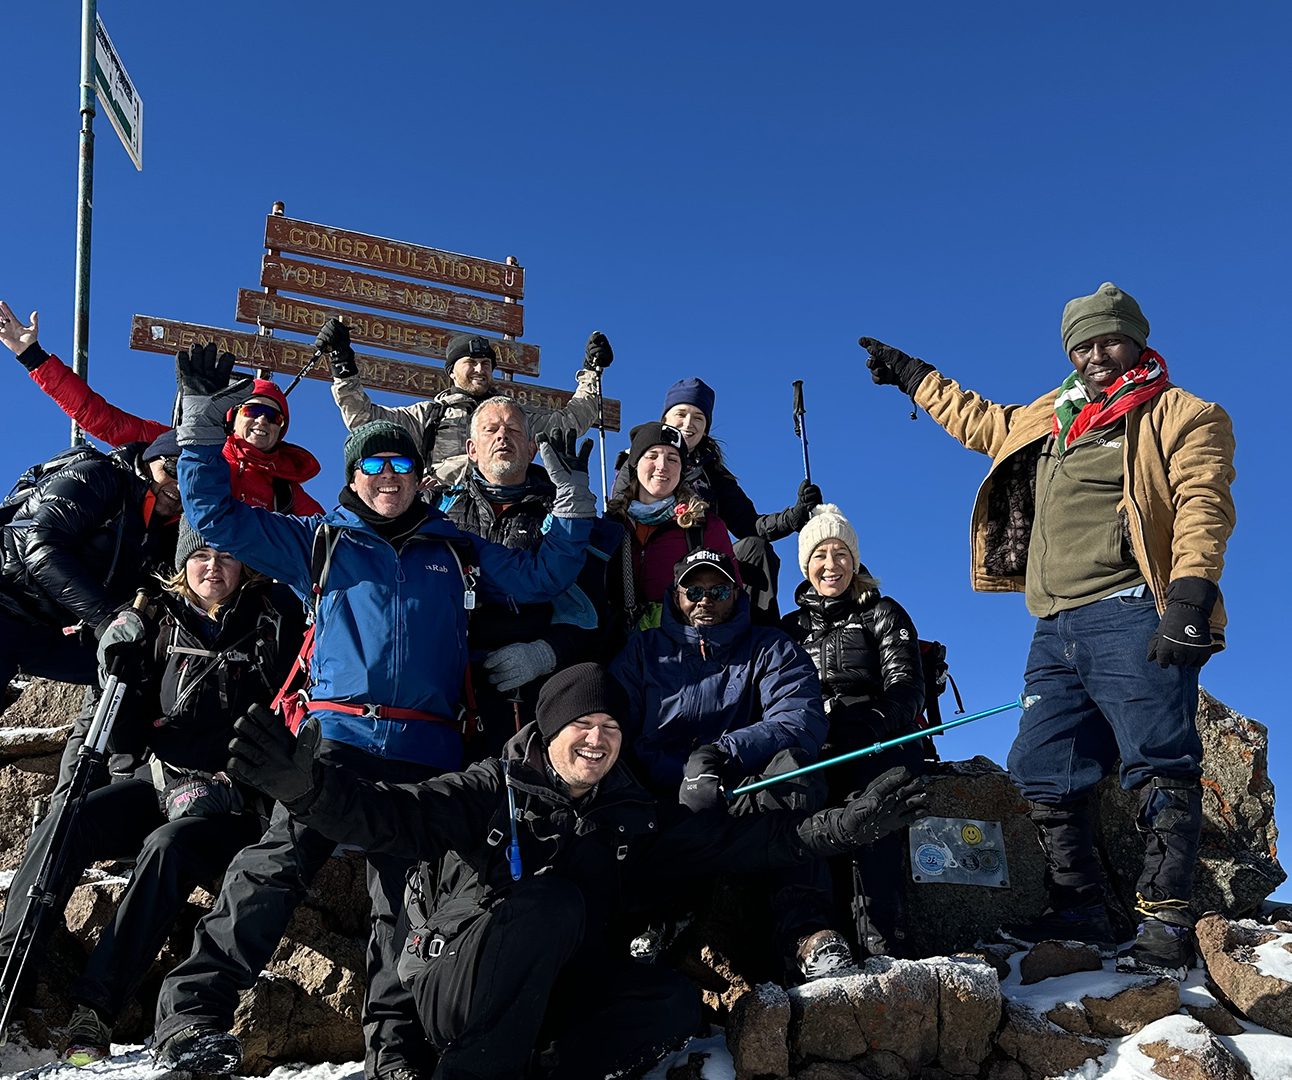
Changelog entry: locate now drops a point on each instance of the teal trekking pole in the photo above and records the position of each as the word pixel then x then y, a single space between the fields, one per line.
pixel 877 748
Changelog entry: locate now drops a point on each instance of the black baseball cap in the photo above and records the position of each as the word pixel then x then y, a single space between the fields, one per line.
pixel 701 559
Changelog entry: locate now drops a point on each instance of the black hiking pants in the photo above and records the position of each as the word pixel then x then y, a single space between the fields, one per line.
pixel 262 888
pixel 516 986
pixel 124 821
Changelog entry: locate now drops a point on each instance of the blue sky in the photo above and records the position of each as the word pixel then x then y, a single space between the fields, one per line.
pixel 730 191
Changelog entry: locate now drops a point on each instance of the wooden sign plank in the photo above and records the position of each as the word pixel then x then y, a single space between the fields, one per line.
pixel 359 249
pixel 384 331
pixel 150 334
pixel 405 297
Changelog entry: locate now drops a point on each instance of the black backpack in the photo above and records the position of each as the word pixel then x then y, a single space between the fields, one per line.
pixel 35 474
pixel 933 659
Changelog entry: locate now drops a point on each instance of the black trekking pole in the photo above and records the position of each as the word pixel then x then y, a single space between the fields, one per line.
pixel 598 355
pixel 45 890
pixel 800 427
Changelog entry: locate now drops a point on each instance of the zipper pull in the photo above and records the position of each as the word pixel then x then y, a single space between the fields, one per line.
pixel 469 578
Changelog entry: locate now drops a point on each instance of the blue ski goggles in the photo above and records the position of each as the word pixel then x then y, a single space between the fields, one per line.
pixel 372 466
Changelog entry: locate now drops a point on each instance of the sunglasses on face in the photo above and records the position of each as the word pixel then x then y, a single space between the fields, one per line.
pixel 170 466
pixel 258 411
pixel 696 593
pixel 372 466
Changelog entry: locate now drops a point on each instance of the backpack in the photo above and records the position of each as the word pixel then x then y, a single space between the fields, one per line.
pixel 33 476
pixel 933 659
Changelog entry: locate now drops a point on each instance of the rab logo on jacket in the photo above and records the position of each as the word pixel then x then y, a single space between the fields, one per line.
pixel 439 568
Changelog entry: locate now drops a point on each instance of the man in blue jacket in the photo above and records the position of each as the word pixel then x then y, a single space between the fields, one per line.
pixel 391 582
pixel 716 701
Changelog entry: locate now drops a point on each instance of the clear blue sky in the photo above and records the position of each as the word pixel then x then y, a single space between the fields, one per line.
pixel 730 191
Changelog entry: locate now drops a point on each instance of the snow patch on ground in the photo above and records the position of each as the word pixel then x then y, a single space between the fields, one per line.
pixel 717 1064
pixel 1274 958
pixel 1042 996
pixel 15 736
pixel 1268 1056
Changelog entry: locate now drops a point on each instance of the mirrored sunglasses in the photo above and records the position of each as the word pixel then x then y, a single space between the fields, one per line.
pixel 170 465
pixel 696 593
pixel 257 410
pixel 372 466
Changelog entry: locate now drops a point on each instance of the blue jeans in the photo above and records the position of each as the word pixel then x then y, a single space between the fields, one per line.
pixel 1091 696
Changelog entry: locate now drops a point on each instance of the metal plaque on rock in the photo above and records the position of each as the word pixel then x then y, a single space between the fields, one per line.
pixel 958 851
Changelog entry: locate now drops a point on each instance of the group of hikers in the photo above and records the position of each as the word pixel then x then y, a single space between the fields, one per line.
pixel 533 719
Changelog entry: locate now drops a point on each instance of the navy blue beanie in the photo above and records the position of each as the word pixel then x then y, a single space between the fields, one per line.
pixel 695 392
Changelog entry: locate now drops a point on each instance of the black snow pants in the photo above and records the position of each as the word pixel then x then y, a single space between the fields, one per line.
pixel 262 888
pixel 516 986
pixel 124 821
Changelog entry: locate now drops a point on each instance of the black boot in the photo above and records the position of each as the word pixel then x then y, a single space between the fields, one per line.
pixel 1170 817
pixel 1074 881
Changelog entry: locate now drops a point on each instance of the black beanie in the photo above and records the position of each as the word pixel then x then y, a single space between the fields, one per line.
pixel 462 345
pixel 380 437
pixel 656 433
pixel 578 691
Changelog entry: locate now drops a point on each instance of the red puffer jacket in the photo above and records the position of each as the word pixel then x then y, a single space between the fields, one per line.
pixel 252 472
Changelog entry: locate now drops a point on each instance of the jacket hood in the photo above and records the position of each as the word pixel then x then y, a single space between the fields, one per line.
pixel 266 388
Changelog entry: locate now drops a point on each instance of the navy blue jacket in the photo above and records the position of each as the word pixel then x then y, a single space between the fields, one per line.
pixel 747 688
pixel 391 627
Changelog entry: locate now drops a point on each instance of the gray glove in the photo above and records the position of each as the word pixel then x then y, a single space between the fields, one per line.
pixel 206 395
pixel 891 802
pixel 513 666
pixel 569 472
pixel 266 755
pixel 123 633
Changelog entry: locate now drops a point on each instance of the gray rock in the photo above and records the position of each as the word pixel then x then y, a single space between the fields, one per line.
pixel 758 1033
pixel 1229 951
pixel 1046 959
pixel 969 1008
pixel 1041 1048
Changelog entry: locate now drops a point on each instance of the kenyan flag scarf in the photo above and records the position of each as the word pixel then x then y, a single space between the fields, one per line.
pixel 1075 413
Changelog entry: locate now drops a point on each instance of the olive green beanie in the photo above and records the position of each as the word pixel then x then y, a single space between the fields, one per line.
pixel 1107 310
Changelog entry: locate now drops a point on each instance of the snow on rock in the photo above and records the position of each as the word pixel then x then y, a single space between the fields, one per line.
pixel 969 1008
pixel 758 1033
pixel 716 1063
pixel 1244 961
pixel 1180 1048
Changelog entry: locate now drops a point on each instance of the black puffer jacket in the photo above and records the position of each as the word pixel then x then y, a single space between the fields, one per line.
pixel 867 654
pixel 77 545
pixel 198 674
pixel 713 482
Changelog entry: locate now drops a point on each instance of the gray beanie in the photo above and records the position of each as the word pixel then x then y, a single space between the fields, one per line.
pixel 380 437
pixel 187 542
pixel 1107 310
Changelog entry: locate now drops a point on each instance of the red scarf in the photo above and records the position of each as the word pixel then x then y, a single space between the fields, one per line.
pixel 1075 413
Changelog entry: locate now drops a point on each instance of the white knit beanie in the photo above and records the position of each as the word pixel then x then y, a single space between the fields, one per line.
pixel 827 523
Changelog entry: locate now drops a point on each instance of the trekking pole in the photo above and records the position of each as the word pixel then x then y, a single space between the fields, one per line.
pixel 800 427
pixel 45 890
pixel 877 748
pixel 301 374
pixel 601 442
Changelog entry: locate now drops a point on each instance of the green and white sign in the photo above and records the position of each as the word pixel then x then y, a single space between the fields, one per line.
pixel 117 94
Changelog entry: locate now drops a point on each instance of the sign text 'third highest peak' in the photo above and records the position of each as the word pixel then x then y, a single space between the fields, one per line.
pixel 284 234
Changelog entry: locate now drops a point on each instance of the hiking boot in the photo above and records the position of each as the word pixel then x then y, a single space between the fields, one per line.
pixel 1163 945
pixel 89 1038
pixel 199 1049
pixel 1088 925
pixel 821 954
pixel 648 946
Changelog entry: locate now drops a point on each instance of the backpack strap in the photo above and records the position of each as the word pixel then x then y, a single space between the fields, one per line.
pixel 284 495
pixel 434 417
pixel 289 702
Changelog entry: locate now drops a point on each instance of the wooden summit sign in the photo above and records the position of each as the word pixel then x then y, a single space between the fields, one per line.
pixel 391 277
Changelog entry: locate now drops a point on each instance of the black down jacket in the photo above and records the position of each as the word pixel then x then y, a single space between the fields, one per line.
pixel 867 655
pixel 77 545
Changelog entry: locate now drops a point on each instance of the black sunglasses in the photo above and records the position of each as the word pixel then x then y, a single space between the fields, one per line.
pixel 696 593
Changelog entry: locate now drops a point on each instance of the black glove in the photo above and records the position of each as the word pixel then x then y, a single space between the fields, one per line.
pixel 892 367
pixel 891 802
pixel 1183 637
pixel 265 754
pixel 32 356
pixel 702 779
pixel 800 513
pixel 201 373
pixel 597 354
pixel 334 339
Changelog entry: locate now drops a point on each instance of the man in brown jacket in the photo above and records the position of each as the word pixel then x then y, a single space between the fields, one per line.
pixel 1107 504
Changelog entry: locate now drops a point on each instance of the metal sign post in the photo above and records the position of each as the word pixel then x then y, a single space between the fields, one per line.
pixel 102 74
